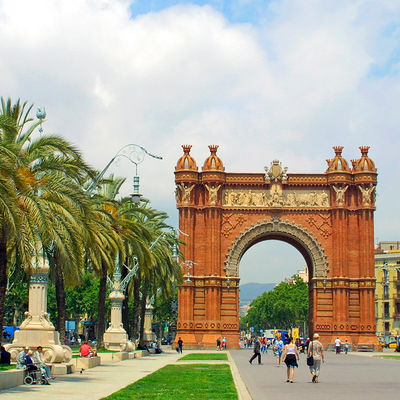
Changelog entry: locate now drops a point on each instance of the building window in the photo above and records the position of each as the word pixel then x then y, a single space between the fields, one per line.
pixel 398 291
pixel 385 291
pixel 386 310
pixel 398 273
pixel 385 276
pixel 398 309
pixel 387 327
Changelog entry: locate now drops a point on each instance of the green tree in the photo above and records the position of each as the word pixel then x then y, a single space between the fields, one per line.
pixel 284 307
pixel 44 200
pixel 17 296
pixel 120 237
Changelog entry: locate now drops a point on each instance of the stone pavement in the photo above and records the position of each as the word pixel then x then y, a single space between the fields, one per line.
pixel 342 377
pixel 95 383
pixel 109 377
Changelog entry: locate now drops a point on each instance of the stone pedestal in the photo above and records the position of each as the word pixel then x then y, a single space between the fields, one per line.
pixel 37 329
pixel 148 335
pixel 116 338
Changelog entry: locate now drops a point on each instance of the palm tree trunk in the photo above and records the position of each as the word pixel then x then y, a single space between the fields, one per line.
pixel 125 304
pixel 3 275
pixel 60 297
pixel 102 305
pixel 142 312
pixel 136 307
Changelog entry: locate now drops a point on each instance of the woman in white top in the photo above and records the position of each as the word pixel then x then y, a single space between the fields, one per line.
pixel 290 357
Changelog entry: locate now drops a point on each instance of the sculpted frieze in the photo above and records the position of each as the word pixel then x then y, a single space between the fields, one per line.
pixel 278 198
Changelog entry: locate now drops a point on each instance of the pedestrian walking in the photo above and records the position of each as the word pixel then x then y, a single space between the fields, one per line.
pixel 346 347
pixel 316 351
pixel 278 348
pixel 224 343
pixel 338 345
pixel 264 345
pixel 219 344
pixel 307 343
pixel 180 345
pixel 256 351
pixel 290 357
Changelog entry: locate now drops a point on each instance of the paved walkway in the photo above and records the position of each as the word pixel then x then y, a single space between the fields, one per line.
pixel 99 382
pixel 342 378
pixel 95 383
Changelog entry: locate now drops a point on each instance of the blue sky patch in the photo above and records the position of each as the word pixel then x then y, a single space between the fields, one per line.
pixel 239 11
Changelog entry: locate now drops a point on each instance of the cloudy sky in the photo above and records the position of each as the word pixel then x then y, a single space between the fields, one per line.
pixel 263 79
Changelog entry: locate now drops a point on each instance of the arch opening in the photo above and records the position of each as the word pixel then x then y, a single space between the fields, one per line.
pixel 288 232
pixel 285 231
pixel 265 264
pixel 282 250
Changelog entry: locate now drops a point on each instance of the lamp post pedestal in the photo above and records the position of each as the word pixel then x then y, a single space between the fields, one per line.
pixel 37 329
pixel 148 335
pixel 115 337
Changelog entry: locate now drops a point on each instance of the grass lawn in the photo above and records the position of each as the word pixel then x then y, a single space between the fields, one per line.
pixel 206 356
pixel 74 351
pixel 5 367
pixel 389 356
pixel 182 382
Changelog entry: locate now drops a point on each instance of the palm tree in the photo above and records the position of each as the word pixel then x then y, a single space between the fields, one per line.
pixel 163 273
pixel 102 245
pixel 120 236
pixel 45 176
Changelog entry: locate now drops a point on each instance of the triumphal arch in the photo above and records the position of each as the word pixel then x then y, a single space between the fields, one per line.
pixel 327 216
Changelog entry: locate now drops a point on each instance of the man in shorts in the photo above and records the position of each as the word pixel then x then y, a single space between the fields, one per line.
pixel 316 350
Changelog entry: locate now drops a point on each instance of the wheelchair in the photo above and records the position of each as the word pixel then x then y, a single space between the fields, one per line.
pixel 34 376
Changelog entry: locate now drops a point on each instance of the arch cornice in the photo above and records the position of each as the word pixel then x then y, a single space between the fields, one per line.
pixel 283 228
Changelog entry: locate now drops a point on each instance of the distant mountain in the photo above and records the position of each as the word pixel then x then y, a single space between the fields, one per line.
pixel 250 291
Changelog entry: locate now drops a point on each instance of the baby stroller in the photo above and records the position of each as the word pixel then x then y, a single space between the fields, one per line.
pixel 34 376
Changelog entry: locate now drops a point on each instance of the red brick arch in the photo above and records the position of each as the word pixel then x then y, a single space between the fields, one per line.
pixel 279 229
pixel 328 217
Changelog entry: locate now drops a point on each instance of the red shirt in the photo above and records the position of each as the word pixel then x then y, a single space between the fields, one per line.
pixel 85 348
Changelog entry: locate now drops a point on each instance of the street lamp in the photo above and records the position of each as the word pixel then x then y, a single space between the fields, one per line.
pixel 135 154
pixel 186 263
pixel 136 196
pixel 41 115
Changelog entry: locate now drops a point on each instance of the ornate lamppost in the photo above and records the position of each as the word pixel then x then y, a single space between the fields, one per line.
pixel 115 337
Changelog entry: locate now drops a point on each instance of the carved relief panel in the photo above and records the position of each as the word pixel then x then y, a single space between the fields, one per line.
pixel 279 198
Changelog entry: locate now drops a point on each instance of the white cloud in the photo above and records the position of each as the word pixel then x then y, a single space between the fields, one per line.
pixel 290 88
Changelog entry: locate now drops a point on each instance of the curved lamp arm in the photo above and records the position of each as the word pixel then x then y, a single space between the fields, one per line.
pixel 136 157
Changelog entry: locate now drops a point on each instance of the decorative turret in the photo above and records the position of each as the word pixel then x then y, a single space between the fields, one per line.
pixel 186 162
pixel 213 162
pixel 365 173
pixel 337 164
pixel 364 164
